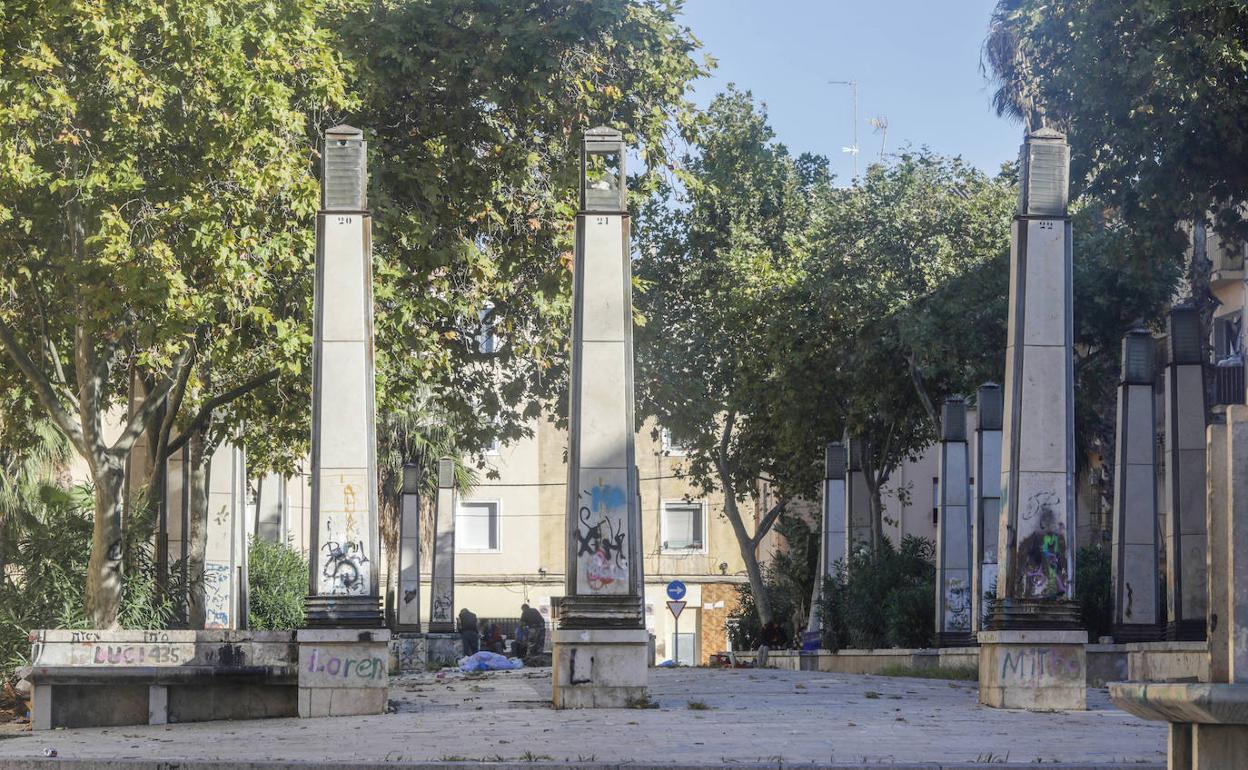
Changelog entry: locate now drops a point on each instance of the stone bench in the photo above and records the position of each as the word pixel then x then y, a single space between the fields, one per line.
pixel 110 678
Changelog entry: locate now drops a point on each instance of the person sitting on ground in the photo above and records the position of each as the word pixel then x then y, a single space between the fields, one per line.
pixel 771 637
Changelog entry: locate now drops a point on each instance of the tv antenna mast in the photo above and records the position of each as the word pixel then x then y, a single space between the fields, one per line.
pixel 880 124
pixel 853 148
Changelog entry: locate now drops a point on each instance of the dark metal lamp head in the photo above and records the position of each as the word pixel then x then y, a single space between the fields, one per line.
pixel 953 419
pixel 1137 357
pixel 344 181
pixel 411 479
pixel 1184 344
pixel 602 171
pixel 834 461
pixel 990 403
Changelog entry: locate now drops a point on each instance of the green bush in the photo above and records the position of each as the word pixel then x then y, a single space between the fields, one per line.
pixel 1094 590
pixel 45 551
pixel 885 600
pixel 277 582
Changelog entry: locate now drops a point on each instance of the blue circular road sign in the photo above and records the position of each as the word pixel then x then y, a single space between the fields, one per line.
pixel 676 590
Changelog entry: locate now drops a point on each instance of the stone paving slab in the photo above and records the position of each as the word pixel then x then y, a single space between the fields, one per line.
pixel 752 719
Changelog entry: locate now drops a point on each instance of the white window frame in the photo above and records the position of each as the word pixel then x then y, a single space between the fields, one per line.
pixel 498 525
pixel 670 448
pixel 494 449
pixel 663 528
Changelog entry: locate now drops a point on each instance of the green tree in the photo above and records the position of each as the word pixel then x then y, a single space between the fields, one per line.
pixel 155 182
pixel 475 111
pixel 715 263
pixel 904 305
pixel 1152 94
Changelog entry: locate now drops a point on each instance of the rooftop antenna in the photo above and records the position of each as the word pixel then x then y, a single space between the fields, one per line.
pixel 880 124
pixel 852 149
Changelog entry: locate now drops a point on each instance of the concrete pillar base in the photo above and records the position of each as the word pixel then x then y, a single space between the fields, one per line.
pixel 409 652
pixel 599 668
pixel 343 672
pixel 1036 670
pixel 444 649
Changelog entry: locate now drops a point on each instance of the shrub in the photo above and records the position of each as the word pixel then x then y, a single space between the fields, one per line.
pixel 277 582
pixel 1094 590
pixel 45 554
pixel 885 600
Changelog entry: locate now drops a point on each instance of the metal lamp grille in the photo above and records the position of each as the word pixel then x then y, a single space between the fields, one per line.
pixel 953 420
pixel 1185 347
pixel 411 479
pixel 446 473
pixel 834 461
pixel 1047 178
pixel 345 175
pixel 1137 359
pixel 991 406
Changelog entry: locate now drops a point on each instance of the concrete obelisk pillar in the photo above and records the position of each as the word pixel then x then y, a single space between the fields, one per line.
pixel 599 655
pixel 443 643
pixel 1186 418
pixel 1137 598
pixel 1034 654
pixel 955 561
pixel 225 546
pixel 344 554
pixel 857 498
pixel 344 611
pixel 833 540
pixel 987 515
pixel 1209 721
pixel 407 594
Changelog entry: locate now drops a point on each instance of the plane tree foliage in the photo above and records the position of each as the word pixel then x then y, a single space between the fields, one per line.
pixel 158 172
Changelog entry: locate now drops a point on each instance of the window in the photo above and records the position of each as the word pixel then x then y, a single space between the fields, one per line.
pixel 476 526
pixel 676 446
pixel 683 526
pixel 494 447
pixel 935 499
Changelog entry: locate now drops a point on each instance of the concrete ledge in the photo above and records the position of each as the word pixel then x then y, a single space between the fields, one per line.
pixel 599 668
pixel 1033 670
pixel 131 764
pixel 1214 704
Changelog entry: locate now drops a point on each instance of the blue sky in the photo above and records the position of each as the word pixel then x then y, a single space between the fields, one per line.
pixel 916 63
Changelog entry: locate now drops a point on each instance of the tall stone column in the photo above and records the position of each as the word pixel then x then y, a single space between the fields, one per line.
pixel 1209 721
pixel 1034 654
pixel 857 497
pixel 343 559
pixel 832 543
pixel 442 572
pixel 225 549
pixel 1186 418
pixel 1137 599
pixel 987 518
pixel 271 509
pixel 599 657
pixel 407 594
pixel 344 613
pixel 955 597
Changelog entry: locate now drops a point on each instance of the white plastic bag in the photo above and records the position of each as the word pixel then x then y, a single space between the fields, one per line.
pixel 489 661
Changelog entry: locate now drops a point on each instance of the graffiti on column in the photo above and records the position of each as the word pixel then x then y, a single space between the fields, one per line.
pixel 443 605
pixel 344 563
pixel 1044 564
pixel 601 556
pixel 216 594
pixel 957 605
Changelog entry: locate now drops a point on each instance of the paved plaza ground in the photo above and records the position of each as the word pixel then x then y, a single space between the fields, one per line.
pixel 751 718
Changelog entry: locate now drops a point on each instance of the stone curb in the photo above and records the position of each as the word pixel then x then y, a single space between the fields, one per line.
pixel 133 764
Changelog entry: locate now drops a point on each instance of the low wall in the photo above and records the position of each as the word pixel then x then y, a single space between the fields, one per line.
pixel 1137 662
pixel 95 678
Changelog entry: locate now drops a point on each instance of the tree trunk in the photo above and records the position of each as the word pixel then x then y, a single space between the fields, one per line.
pixel 197 537
pixel 749 554
pixel 104 570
